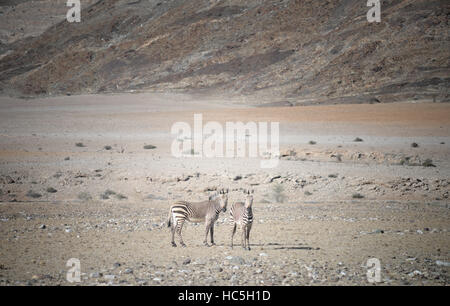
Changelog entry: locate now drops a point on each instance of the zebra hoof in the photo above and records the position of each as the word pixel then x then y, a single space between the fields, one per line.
pixel 206 244
pixel 174 244
pixel 183 245
pixel 213 244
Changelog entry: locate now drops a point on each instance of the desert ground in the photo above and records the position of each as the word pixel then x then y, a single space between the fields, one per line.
pixel 78 179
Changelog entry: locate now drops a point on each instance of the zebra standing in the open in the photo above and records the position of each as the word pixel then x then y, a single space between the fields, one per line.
pixel 242 214
pixel 207 211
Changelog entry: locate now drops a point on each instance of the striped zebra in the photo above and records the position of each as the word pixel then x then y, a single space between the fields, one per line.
pixel 207 211
pixel 241 214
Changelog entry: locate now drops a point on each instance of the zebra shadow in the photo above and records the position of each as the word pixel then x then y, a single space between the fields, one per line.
pixel 277 246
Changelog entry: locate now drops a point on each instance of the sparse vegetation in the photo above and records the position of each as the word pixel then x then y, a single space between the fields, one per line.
pixel 428 163
pixel 149 147
pixel 51 190
pixel 84 196
pixel 357 139
pixel 312 142
pixel 80 144
pixel 107 148
pixel 414 145
pixel 407 162
pixel 32 194
pixel 307 193
pixel 67 158
pixel 357 196
pixel 332 175
pixel 120 196
pixel 278 193
pixel 108 193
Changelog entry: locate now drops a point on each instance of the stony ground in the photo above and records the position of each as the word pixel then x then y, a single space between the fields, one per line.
pixel 320 214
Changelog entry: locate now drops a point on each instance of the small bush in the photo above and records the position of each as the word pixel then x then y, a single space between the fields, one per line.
pixel 307 193
pixel 84 196
pixel 51 190
pixel 414 145
pixel 333 175
pixel 107 148
pixel 357 196
pixel 357 139
pixel 312 142
pixel 33 194
pixel 149 147
pixel 80 144
pixel 120 196
pixel 428 163
pixel 107 194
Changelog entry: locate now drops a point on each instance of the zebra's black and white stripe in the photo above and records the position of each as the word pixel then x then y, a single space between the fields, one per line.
pixel 242 215
pixel 207 211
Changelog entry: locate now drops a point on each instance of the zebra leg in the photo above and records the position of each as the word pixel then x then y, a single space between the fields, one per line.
pixel 212 234
pixel 179 228
pixel 172 228
pixel 232 234
pixel 208 227
pixel 243 240
pixel 248 227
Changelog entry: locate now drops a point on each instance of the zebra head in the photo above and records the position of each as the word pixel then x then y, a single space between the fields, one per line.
pixel 248 198
pixel 223 199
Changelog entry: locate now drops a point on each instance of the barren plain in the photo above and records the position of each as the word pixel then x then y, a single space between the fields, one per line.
pixel 353 182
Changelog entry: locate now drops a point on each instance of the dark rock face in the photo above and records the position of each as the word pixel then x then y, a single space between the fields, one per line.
pixel 299 51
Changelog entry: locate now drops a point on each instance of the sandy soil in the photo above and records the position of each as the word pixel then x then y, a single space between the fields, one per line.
pixel 310 227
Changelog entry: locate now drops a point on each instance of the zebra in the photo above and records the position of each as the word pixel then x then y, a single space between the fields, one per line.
pixel 241 214
pixel 207 211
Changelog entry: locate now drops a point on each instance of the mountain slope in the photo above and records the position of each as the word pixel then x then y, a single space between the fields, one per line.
pixel 301 51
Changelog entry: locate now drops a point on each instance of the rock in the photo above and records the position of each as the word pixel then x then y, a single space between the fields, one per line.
pixel 443 263
pixel 237 178
pixel 187 261
pixel 415 273
pixel 128 271
pixel 116 265
pixel 141 282
pixel 263 255
pixel 109 277
pixel 95 275
pixel 271 179
pixel 157 280
pixel 43 226
pixel 236 260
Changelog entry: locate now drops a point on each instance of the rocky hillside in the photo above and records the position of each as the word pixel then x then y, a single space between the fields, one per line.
pixel 293 51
